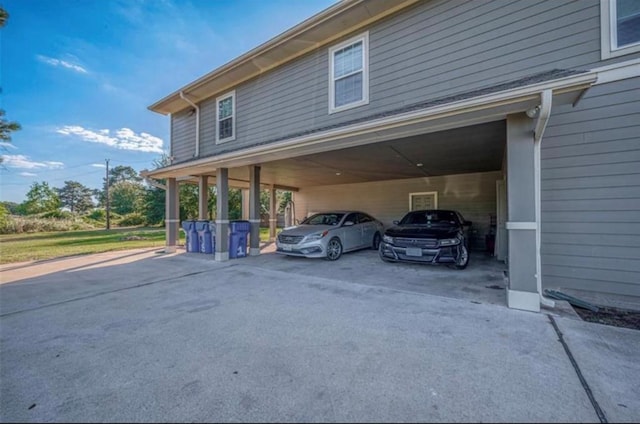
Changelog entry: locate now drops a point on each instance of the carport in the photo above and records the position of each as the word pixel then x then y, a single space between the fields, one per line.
pixel 489 137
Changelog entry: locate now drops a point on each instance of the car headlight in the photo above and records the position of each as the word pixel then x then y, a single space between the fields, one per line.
pixel 316 236
pixel 387 239
pixel 449 242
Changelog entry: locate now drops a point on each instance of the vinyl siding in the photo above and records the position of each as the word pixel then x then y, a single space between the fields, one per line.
pixel 432 50
pixel 183 136
pixel 591 192
pixel 473 195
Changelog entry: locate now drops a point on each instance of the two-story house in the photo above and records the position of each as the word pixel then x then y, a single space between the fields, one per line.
pixel 526 110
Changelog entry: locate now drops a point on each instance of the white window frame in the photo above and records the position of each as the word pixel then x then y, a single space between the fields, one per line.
pixel 435 198
pixel 364 38
pixel 609 34
pixel 231 94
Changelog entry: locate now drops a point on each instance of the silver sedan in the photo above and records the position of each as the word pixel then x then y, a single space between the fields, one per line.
pixel 330 234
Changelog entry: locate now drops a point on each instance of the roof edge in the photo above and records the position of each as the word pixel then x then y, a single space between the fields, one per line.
pixel 275 42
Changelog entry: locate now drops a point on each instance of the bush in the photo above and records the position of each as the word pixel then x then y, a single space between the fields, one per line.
pixel 57 214
pixel 31 224
pixel 132 220
pixel 97 215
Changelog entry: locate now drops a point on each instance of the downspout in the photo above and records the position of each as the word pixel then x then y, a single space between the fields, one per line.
pixel 197 150
pixel 546 98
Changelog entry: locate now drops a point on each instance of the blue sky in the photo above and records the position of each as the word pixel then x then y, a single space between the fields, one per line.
pixel 78 75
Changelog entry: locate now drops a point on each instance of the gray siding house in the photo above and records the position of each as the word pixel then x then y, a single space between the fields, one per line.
pixel 522 113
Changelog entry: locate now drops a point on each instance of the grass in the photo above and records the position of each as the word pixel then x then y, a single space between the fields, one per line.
pixel 39 246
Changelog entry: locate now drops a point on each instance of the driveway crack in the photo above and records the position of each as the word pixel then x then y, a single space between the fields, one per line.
pixel 576 367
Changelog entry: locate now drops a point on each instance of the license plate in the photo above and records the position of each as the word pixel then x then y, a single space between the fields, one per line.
pixel 414 251
pixel 286 247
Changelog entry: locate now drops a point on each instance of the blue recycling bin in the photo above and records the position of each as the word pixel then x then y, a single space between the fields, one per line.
pixel 192 243
pixel 204 236
pixel 237 245
pixel 238 236
pixel 240 226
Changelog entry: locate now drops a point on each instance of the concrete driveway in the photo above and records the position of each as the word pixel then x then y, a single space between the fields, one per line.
pixel 144 336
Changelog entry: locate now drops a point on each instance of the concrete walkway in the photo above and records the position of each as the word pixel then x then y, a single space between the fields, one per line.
pixel 144 336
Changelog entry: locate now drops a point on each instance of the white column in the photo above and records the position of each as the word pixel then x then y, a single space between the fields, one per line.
pixel 172 215
pixel 222 215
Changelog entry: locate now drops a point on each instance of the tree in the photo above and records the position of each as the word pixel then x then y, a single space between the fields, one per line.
pixel 76 197
pixel 154 205
pixel 122 173
pixel 4 16
pixel 6 127
pixel 117 174
pixel 126 197
pixel 188 201
pixel 40 198
pixel 12 207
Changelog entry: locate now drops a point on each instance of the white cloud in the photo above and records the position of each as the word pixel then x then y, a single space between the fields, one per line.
pixel 5 145
pixel 28 174
pixel 59 62
pixel 124 138
pixel 23 162
pixel 98 165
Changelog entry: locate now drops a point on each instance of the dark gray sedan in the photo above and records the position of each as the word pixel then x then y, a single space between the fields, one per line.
pixel 330 234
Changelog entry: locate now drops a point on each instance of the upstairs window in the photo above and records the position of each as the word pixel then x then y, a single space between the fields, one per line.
pixel 349 74
pixel 226 117
pixel 620 33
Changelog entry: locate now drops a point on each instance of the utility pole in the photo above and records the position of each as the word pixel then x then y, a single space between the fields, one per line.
pixel 108 207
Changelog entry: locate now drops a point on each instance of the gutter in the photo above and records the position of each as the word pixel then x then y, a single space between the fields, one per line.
pixel 197 108
pixel 546 101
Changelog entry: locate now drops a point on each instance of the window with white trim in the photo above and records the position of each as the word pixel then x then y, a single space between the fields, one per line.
pixel 349 74
pixel 620 27
pixel 226 117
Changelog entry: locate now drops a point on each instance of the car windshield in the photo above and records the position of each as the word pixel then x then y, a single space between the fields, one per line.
pixel 430 218
pixel 324 219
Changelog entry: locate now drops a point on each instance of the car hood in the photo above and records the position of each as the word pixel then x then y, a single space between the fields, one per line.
pixel 422 231
pixel 304 230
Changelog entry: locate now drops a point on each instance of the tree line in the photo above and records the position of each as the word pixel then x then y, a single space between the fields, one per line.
pixel 131 200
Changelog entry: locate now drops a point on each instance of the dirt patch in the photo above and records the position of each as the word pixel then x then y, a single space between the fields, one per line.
pixel 131 238
pixel 611 316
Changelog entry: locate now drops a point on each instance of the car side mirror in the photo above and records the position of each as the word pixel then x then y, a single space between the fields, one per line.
pixel 396 222
pixel 467 223
pixel 347 223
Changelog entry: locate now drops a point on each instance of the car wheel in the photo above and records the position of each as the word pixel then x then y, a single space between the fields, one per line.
pixel 376 241
pixel 463 258
pixel 334 249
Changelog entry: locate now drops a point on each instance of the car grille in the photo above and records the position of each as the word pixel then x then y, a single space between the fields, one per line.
pixel 415 242
pixel 289 239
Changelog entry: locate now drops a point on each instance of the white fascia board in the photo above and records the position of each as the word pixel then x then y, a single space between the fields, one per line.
pixel 617 71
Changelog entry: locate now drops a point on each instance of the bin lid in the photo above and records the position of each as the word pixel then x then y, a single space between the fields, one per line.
pixel 201 225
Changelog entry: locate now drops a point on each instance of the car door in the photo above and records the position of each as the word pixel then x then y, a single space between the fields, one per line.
pixel 369 228
pixel 352 234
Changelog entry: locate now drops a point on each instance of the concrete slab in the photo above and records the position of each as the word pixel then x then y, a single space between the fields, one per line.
pixel 178 338
pixel 608 358
pixel 482 281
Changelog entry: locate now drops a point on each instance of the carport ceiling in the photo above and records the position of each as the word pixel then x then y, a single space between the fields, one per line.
pixel 477 148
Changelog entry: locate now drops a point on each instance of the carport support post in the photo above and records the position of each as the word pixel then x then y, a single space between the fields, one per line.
pixel 254 210
pixel 522 292
pixel 171 215
pixel 222 214
pixel 203 197
pixel 273 218
pixel 245 203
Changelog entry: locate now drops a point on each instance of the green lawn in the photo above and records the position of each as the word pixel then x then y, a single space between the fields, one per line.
pixel 38 246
